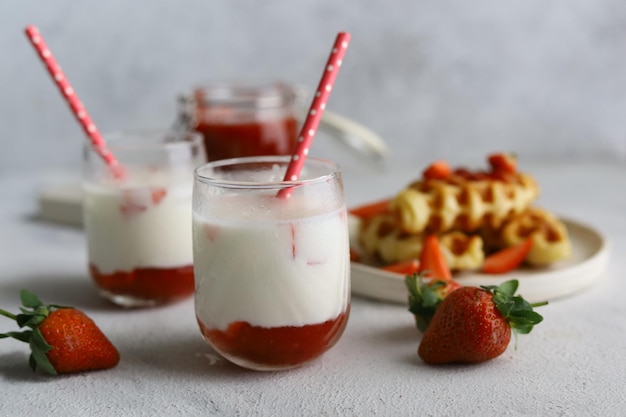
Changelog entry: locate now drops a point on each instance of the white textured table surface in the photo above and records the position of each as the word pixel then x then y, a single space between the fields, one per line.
pixel 573 364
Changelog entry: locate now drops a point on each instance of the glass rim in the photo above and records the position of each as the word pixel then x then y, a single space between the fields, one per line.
pixel 141 139
pixel 260 94
pixel 333 171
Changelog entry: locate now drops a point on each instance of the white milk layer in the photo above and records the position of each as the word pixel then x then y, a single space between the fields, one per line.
pixel 271 273
pixel 145 222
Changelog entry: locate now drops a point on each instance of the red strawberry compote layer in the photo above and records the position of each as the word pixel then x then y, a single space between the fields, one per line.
pixel 139 237
pixel 272 285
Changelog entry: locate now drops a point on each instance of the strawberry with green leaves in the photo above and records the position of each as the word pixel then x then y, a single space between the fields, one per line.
pixel 62 339
pixel 473 324
pixel 425 295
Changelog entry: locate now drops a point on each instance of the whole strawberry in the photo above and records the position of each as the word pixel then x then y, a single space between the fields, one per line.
pixel 473 325
pixel 62 339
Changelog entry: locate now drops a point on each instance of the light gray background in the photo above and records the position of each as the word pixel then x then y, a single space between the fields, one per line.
pixel 453 79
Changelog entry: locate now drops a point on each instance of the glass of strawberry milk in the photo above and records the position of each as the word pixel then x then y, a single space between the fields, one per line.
pixel 272 272
pixel 138 227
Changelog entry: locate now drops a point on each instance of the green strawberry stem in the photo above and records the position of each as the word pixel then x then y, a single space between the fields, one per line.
pixel 7 314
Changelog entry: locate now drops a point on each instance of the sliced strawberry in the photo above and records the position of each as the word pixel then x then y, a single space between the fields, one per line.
pixel 507 259
pixel 426 295
pixel 158 194
pixel 408 267
pixel 432 262
pixel 438 170
pixel 132 210
pixel 134 202
pixel 371 209
pixel 503 162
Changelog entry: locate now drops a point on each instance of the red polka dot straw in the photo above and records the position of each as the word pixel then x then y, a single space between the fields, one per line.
pixel 72 99
pixel 307 133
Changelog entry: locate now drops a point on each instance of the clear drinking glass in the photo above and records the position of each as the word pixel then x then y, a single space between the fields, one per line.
pixel 272 273
pixel 138 228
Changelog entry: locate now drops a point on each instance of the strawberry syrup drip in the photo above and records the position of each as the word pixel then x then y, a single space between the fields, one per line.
pixel 276 346
pixel 293 241
pixel 156 284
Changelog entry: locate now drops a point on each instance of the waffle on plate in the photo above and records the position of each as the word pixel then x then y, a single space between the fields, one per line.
pixel 474 213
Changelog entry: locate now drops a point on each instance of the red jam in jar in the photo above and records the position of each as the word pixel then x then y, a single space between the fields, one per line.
pixel 238 120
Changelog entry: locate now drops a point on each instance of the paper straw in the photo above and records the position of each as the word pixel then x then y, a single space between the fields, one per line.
pixel 72 99
pixel 307 133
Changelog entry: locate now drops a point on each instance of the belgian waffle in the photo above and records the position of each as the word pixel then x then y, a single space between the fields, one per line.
pixel 465 201
pixel 474 213
pixel 381 240
pixel 549 236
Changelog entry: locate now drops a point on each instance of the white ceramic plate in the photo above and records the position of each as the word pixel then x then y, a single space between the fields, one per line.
pixel 564 278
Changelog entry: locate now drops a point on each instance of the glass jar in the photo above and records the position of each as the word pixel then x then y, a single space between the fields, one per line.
pixel 242 119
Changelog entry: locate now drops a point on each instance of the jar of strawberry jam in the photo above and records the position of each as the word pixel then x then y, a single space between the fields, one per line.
pixel 242 119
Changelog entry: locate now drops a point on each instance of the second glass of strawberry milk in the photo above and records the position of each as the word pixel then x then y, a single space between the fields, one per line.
pixel 272 272
pixel 138 227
